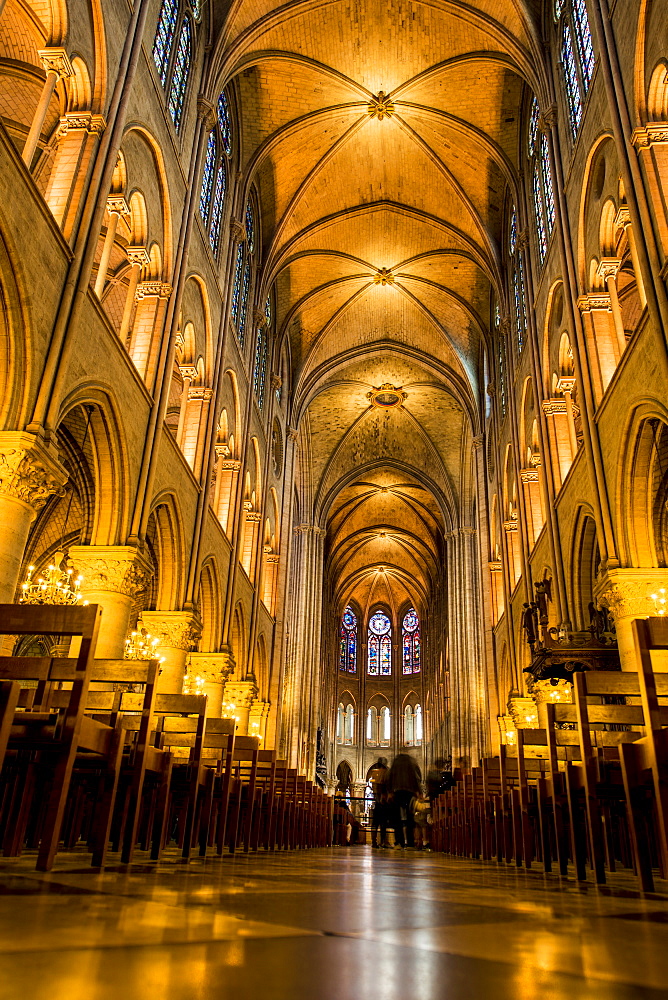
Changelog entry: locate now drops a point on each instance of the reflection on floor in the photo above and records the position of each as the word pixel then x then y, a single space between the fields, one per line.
pixel 344 924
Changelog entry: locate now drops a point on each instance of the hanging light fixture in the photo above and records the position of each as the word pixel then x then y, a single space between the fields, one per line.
pixel 57 586
pixel 140 645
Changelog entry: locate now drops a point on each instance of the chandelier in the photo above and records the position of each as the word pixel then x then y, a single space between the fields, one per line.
pixel 193 684
pixel 140 645
pixel 660 601
pixel 57 586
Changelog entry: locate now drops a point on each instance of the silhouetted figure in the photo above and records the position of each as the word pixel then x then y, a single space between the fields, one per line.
pixel 439 778
pixel 380 813
pixel 404 786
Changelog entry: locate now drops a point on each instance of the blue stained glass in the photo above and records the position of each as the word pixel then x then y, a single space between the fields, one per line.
pixel 540 224
pixel 571 80
pixel 260 370
pixel 379 623
pixel 411 642
pixel 236 288
pixel 243 309
pixel 348 650
pixel 558 8
pixel 502 374
pixel 584 42
pixel 513 232
pixel 267 311
pixel 547 185
pixel 250 229
pixel 164 36
pixel 225 123
pixel 217 208
pixel 533 126
pixel 207 177
pixel 386 656
pixel 177 91
pixel 374 648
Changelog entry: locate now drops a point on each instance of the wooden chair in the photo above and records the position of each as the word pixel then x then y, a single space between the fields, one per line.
pixel 55 737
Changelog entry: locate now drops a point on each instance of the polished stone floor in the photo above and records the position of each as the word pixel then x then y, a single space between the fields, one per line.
pixel 338 924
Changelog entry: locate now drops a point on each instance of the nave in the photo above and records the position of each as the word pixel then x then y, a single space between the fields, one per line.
pixel 333 924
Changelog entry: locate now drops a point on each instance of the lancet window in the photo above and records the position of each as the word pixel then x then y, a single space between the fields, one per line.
pixel 543 191
pixel 577 55
pixel 379 662
pixel 410 642
pixel 173 53
pixel 261 348
pixel 243 274
pixel 517 281
pixel 214 178
pixel 348 642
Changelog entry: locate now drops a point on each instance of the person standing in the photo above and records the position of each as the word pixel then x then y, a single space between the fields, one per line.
pixel 378 778
pixel 404 785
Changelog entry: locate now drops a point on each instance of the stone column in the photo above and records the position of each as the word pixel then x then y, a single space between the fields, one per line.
pixel 627 594
pixel 257 723
pixel 608 270
pixel 226 489
pixel 189 375
pixel 116 207
pixel 77 139
pixel 58 66
pixel 239 696
pixel 29 474
pixel 139 258
pixel 654 133
pixel 177 632
pixel 597 323
pixel 533 508
pixel 560 437
pixel 213 669
pixel 151 299
pixel 113 575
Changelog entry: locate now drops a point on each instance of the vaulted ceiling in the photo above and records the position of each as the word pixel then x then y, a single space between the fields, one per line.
pixel 381 139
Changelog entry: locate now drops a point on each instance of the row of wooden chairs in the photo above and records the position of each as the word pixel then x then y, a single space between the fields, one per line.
pixel 91 753
pixel 587 791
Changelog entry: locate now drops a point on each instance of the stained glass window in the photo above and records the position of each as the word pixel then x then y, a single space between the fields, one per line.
pixel 533 126
pixel 164 36
pixel 411 642
pixel 512 242
pixel 571 80
pixel 419 729
pixel 217 207
pixel 380 645
pixel 522 312
pixel 236 288
pixel 547 184
pixel 558 8
pixel 348 643
pixel 208 177
pixel 225 123
pixel 260 368
pixel 250 229
pixel 502 373
pixel 584 42
pixel 243 308
pixel 540 222
pixel 182 59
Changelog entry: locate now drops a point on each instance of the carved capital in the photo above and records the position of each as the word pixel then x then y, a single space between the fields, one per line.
pixel 529 475
pixel 649 134
pixel 231 465
pixel 293 433
pixel 138 255
pixel 117 203
pixel 259 319
pixel 496 566
pixel 153 289
pixel 189 371
pixel 120 569
pixel 237 231
pixel 200 392
pixel 523 712
pixel 510 525
pixel 547 118
pixel 56 60
pixel 627 593
pixel 206 112
pixel 28 470
pixel 240 693
pixel 522 239
pixel 81 122
pixel 478 441
pixel 254 516
pixel 214 668
pixel 276 382
pixel 608 267
pixel 173 629
pixel 623 217
pixel 593 301
pixel 566 383
pixel 553 407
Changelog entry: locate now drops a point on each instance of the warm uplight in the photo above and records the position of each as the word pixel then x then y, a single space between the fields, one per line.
pixel 660 601
pixel 140 645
